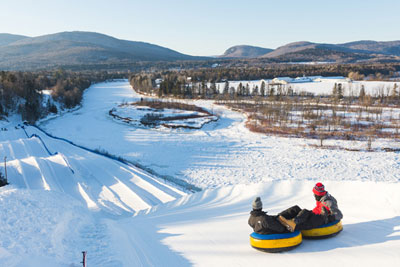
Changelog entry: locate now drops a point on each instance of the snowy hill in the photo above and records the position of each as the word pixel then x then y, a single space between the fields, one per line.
pixel 100 182
pixel 6 38
pixel 61 204
pixel 245 51
pixel 203 229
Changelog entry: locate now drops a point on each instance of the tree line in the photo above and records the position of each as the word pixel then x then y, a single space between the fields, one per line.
pixel 244 71
pixel 202 82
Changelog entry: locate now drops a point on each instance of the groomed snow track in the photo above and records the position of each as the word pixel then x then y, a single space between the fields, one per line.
pixel 36 161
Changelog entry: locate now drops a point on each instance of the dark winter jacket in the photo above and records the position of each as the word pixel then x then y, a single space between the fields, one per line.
pixel 265 224
pixel 328 204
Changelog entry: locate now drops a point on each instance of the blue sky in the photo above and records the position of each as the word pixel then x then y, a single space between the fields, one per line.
pixel 206 27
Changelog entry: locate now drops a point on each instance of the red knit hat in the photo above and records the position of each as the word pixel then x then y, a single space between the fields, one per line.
pixel 319 189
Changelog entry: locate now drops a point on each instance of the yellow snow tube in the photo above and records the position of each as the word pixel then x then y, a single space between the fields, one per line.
pixel 323 231
pixel 275 242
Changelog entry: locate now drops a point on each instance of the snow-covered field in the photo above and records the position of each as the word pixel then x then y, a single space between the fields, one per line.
pixel 373 88
pixel 125 217
pixel 323 87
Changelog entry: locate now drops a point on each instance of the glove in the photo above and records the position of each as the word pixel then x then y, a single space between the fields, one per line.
pixel 324 211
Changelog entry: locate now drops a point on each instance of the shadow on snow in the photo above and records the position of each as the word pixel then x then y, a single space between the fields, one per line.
pixel 356 235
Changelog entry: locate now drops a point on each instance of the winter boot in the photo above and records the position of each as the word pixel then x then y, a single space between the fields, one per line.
pixel 289 224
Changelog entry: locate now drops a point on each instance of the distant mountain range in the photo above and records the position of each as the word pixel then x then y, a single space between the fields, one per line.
pixel 18 52
pixel 308 51
pixel 74 48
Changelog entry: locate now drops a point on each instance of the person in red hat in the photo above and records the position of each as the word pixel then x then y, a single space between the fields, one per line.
pixel 326 211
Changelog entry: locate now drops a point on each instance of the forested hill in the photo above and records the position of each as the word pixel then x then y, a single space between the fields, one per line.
pixel 6 38
pixel 78 48
pixel 308 51
pixel 245 51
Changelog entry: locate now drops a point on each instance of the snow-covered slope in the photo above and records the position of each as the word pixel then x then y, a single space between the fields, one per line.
pixel 209 228
pixel 36 161
pixel 51 227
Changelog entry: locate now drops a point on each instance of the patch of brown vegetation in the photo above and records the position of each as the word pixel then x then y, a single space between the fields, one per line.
pixel 156 104
pixel 154 119
pixel 320 121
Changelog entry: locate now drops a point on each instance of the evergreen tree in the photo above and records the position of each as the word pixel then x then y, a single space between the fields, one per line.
pixel 226 88
pixel 271 91
pixel 334 91
pixel 239 90
pixel 203 89
pixel 339 91
pixel 247 90
pixel 213 88
pixel 362 93
pixel 262 90
pixel 232 91
pixel 255 91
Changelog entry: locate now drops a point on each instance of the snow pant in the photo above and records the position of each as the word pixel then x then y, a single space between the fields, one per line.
pixel 304 219
pixel 291 212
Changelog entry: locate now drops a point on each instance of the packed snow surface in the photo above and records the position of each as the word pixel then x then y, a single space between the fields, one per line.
pixel 60 204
